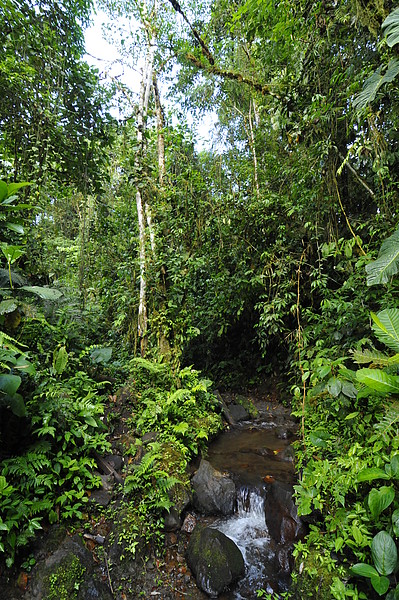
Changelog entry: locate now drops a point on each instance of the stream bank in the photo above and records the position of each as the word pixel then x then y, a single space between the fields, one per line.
pixel 255 455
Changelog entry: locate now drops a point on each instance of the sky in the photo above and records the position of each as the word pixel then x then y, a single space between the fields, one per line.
pixel 105 57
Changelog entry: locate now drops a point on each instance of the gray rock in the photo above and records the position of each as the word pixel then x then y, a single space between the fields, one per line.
pixel 238 412
pixel 214 493
pixel 68 573
pixel 172 520
pixel 215 560
pixel 281 514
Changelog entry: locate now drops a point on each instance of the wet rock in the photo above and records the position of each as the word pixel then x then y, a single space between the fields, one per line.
pixel 100 497
pixel 214 492
pixel 215 560
pixel 149 437
pixel 172 520
pixel 115 460
pixel 281 514
pixel 238 412
pixel 68 573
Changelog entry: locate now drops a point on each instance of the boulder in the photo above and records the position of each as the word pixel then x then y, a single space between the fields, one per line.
pixel 281 514
pixel 68 574
pixel 214 559
pixel 238 412
pixel 214 492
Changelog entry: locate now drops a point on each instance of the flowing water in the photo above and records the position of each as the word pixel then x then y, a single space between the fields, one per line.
pixel 254 455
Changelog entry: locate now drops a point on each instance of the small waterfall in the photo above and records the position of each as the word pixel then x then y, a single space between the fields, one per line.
pixel 247 528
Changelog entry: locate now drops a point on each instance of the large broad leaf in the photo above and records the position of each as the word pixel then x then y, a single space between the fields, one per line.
pixel 363 570
pixel 390 27
pixel 386 327
pixel 9 383
pixel 13 187
pixel 17 405
pixel 8 306
pixel 319 438
pixel 12 253
pixel 373 84
pixel 15 227
pixel 101 355
pixel 43 292
pixel 384 553
pixel 379 500
pixel 379 381
pixel 387 264
pixel 60 360
pixel 380 584
pixel 3 190
pixel 372 474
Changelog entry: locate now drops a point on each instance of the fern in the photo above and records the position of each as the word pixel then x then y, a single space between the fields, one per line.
pixel 388 427
pixel 374 357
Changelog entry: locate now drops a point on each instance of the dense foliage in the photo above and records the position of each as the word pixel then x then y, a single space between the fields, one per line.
pixel 276 250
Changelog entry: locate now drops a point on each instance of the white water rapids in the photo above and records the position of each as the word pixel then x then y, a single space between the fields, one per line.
pixel 247 528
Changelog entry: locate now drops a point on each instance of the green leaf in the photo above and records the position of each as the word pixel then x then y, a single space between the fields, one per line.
pixel 395 466
pixel 381 270
pixel 13 187
pixel 3 190
pixel 393 594
pixel 43 292
pixel 334 386
pixel 380 584
pixel 101 355
pixel 379 500
pixel 395 522
pixel 17 405
pixel 371 474
pixel 348 389
pixel 91 421
pixel 386 327
pixel 379 381
pixel 363 570
pixel 390 28
pixel 8 306
pixel 9 384
pixel 384 553
pixel 319 437
pixel 60 360
pixel 373 84
pixel 12 253
pixel 15 227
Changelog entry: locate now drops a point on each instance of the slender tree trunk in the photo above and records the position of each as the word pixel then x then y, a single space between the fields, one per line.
pixel 253 148
pixel 160 131
pixel 142 320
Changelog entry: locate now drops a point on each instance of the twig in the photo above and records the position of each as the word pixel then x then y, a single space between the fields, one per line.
pixel 109 577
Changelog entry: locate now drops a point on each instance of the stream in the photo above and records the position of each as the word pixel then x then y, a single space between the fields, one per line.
pixel 255 453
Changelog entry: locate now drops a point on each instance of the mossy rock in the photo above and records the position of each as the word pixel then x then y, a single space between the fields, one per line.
pixel 68 574
pixel 215 560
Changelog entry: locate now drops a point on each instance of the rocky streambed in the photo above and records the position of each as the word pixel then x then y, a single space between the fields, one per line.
pixel 233 536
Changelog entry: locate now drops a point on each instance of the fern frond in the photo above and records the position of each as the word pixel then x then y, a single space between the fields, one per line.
pixel 388 427
pixel 374 357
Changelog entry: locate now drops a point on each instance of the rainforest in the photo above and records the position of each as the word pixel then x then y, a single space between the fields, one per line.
pixel 211 251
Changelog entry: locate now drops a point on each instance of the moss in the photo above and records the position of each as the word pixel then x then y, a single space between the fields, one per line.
pixel 314 580
pixel 65 582
pixel 248 405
